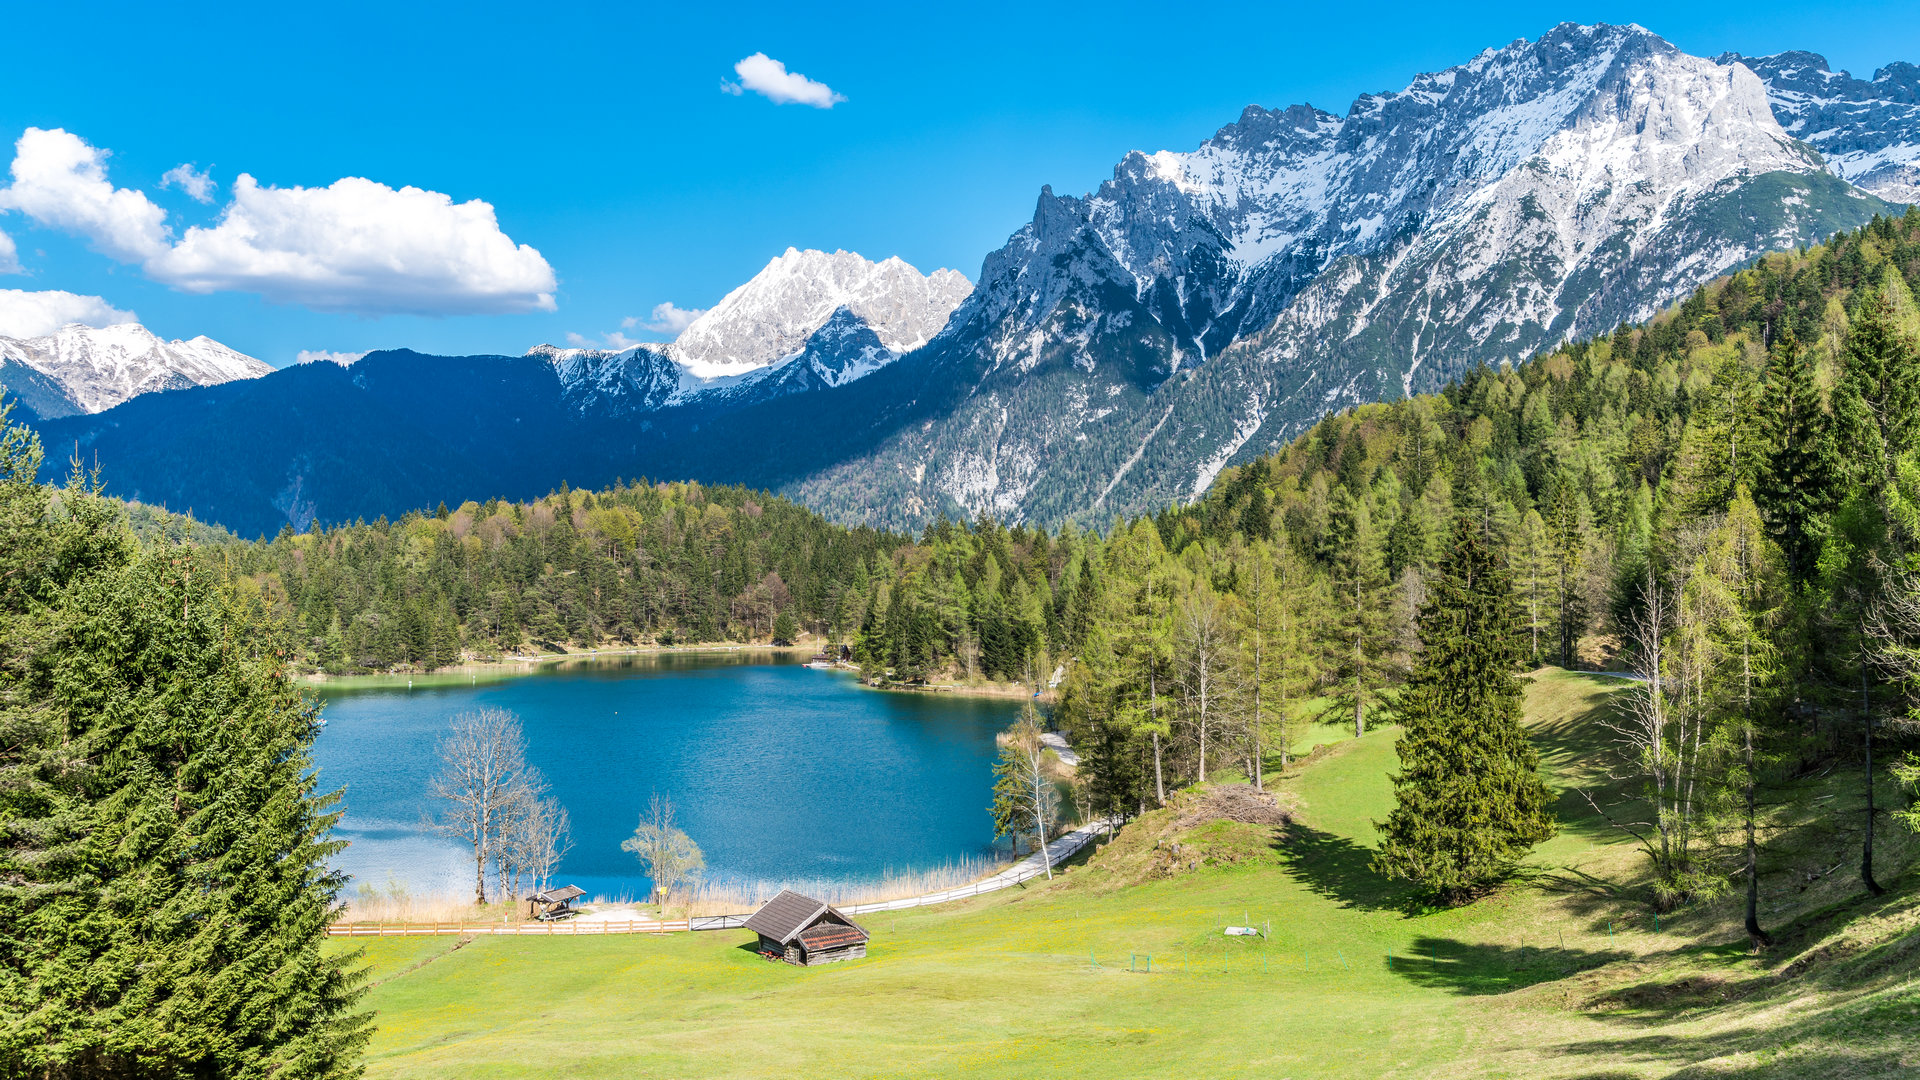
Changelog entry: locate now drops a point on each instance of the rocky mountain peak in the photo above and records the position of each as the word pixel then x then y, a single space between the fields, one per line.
pixel 1868 131
pixel 772 315
pixel 1126 345
pixel 99 367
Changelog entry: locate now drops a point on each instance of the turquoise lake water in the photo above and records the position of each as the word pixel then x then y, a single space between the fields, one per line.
pixel 779 772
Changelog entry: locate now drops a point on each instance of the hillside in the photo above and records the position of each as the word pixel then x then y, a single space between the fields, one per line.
pixel 1563 977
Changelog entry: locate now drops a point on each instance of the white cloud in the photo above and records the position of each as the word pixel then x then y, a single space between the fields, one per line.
pixel 664 319
pixel 9 255
pixel 60 181
pixel 667 319
pixel 315 356
pixel 614 340
pixel 36 314
pixel 199 186
pixel 359 246
pixel 354 246
pixel 770 78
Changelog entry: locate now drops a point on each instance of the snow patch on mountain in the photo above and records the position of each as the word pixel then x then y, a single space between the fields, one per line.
pixel 100 367
pixel 1868 130
pixel 771 316
pixel 1298 261
pixel 808 321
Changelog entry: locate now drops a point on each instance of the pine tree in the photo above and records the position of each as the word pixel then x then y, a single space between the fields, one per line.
pixel 1469 802
pixel 1536 570
pixel 1568 528
pixel 1089 710
pixel 1138 606
pixel 1738 581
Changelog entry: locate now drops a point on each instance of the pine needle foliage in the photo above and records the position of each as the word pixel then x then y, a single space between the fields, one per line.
pixel 1469 799
pixel 164 894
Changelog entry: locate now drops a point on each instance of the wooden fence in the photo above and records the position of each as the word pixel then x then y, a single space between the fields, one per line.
pixel 1025 870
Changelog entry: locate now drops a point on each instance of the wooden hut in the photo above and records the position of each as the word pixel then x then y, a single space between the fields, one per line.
pixel 805 931
pixel 554 903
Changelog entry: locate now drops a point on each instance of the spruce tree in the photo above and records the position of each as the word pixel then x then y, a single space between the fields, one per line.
pixel 1876 410
pixel 163 846
pixel 1795 476
pixel 1469 800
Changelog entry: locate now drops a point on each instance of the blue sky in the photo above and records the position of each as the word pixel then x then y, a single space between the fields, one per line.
pixel 602 137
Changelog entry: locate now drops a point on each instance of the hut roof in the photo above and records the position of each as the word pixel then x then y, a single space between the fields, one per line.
pixel 831 935
pixel 785 916
pixel 558 896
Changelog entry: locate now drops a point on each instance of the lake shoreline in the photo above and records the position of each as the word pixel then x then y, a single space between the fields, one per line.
pixel 506 667
pixel 513 667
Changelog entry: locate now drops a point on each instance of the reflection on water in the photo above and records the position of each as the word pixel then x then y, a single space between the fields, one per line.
pixel 778 771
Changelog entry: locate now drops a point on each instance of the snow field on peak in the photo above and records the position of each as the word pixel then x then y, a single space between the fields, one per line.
pixel 771 316
pixel 100 367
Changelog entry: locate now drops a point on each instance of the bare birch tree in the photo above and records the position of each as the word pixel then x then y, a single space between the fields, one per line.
pixel 1205 654
pixel 483 765
pixel 1642 727
pixel 1024 796
pixel 538 836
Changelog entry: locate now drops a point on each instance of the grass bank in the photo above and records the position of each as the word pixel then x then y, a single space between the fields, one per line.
pixel 1564 976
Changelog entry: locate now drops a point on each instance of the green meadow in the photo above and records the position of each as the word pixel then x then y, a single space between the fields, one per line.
pixel 1119 967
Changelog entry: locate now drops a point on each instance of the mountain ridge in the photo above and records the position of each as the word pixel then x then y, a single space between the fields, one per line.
pixel 1123 349
pixel 1200 307
pixel 85 369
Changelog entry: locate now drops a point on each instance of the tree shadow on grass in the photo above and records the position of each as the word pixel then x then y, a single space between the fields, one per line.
pixel 1476 970
pixel 1772 1046
pixel 1339 869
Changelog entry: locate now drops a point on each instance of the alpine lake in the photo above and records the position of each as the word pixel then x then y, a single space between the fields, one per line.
pixel 780 772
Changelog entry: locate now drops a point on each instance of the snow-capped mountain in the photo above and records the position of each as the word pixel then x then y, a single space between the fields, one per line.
pixel 84 369
pixel 809 320
pixel 1124 346
pixel 1868 131
pixel 1200 306
pixel 771 316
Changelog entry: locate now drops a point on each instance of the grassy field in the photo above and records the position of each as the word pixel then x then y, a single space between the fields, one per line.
pixel 1563 975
